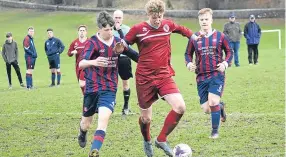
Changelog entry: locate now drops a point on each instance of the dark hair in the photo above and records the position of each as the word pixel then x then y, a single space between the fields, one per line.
pixel 82 26
pixel 32 28
pixel 49 29
pixel 104 19
pixel 9 34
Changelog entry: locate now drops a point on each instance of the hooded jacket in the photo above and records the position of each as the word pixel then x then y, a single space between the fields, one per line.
pixel 10 52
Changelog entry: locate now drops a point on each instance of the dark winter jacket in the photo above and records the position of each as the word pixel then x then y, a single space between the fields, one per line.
pixel 252 33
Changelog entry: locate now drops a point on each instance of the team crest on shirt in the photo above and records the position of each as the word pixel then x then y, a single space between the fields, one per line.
pixel 101 51
pixel 76 45
pixel 144 29
pixel 48 43
pixel 166 28
pixel 214 40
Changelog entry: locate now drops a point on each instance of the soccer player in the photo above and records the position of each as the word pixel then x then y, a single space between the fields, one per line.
pixel 30 56
pixel 54 47
pixel 154 72
pixel 100 62
pixel 76 48
pixel 124 62
pixel 210 67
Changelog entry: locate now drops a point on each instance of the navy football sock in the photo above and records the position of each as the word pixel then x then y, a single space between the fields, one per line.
pixel 98 139
pixel 59 75
pixel 215 116
pixel 53 78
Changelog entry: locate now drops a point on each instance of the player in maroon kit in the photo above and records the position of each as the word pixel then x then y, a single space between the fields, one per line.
pixel 210 67
pixel 76 48
pixel 154 72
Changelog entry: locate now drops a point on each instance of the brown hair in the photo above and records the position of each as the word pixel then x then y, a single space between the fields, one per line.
pixel 104 19
pixel 155 6
pixel 82 26
pixel 32 28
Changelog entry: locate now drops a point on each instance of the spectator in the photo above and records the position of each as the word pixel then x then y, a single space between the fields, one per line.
pixel 10 56
pixel 252 33
pixel 233 32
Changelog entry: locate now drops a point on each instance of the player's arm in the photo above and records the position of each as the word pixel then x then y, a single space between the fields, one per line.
pixel 189 56
pixel 129 39
pixel 120 32
pixel 228 55
pixel 132 54
pixel 61 47
pixel 88 51
pixel 71 50
pixel 186 32
pixel 27 45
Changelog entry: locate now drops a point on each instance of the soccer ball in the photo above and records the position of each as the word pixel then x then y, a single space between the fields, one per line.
pixel 182 150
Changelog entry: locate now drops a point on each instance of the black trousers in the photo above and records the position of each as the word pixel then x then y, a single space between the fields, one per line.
pixel 17 69
pixel 252 48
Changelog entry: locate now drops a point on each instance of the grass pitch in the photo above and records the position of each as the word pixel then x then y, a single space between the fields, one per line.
pixel 44 122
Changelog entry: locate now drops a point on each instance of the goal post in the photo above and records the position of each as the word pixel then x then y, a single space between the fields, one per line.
pixel 279 35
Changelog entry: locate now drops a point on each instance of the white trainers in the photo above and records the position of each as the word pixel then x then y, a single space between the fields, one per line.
pixel 164 146
pixel 148 149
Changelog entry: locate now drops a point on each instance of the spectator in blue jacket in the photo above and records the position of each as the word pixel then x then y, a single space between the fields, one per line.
pixel 54 47
pixel 252 33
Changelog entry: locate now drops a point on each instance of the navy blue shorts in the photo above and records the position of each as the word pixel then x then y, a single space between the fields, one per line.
pixel 54 63
pixel 92 101
pixel 214 85
pixel 30 62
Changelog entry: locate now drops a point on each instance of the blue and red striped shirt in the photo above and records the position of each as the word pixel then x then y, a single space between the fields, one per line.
pixel 209 53
pixel 101 78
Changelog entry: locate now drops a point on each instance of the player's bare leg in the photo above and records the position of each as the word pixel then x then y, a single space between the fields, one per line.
pixel 104 114
pixel 144 122
pixel 126 94
pixel 214 103
pixel 59 76
pixel 81 85
pixel 84 126
pixel 178 108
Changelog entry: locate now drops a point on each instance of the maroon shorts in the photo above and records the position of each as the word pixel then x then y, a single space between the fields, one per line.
pixel 148 91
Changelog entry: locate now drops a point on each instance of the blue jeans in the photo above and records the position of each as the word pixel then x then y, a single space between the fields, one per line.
pixel 235 46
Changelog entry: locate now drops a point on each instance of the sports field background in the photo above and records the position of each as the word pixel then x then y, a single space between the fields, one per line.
pixel 44 122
